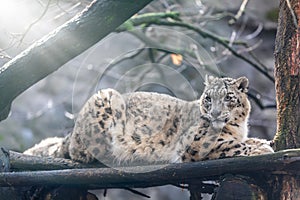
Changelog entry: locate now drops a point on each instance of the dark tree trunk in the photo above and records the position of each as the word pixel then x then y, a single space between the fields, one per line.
pixel 287 68
pixel 287 81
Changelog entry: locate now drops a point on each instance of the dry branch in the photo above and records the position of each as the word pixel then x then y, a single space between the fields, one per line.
pixel 51 52
pixel 160 19
pixel 278 163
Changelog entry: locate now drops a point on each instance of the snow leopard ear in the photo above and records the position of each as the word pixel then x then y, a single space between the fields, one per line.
pixel 208 79
pixel 242 84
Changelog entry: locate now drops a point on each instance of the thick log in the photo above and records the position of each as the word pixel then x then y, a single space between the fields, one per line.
pixel 18 161
pixel 278 163
pixel 55 49
pixel 7 192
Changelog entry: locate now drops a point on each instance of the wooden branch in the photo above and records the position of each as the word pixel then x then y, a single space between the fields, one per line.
pixel 22 162
pixel 51 52
pixel 159 20
pixel 239 13
pixel 278 163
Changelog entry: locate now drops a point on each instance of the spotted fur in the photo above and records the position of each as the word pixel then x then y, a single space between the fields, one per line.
pixel 148 127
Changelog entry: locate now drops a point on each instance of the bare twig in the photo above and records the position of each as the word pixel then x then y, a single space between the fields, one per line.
pixel 158 19
pixel 259 61
pixel 4 55
pixel 154 44
pixel 240 12
pixel 137 192
pixel 35 22
pixel 64 11
pixel 111 65
pixel 258 102
pixel 294 16
pixel 220 41
pixel 142 20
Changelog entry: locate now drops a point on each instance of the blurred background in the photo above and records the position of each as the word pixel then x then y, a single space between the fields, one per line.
pixel 169 59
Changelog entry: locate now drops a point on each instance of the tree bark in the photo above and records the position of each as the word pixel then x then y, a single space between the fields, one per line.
pixel 51 52
pixel 287 69
pixel 285 162
pixel 239 188
pixel 22 162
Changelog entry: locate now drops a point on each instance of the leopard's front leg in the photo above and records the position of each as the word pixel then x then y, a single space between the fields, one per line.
pixel 92 136
pixel 231 148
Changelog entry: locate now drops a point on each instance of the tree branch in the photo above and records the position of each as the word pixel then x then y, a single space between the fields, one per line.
pixel 35 22
pixel 223 43
pixel 239 13
pixel 22 162
pixel 159 20
pixel 258 101
pixel 278 163
pixel 51 52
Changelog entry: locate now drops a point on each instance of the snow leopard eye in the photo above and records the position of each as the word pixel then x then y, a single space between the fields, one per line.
pixel 228 97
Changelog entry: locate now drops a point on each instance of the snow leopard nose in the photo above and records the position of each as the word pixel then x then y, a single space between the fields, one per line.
pixel 215 113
